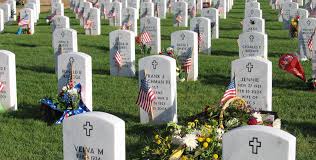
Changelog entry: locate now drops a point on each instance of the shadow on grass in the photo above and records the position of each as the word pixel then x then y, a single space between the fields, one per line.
pixel 39 69
pixel 26 111
pixel 216 79
pixel 306 128
pixel 293 84
pixel 224 53
pixel 101 71
pixel 26 45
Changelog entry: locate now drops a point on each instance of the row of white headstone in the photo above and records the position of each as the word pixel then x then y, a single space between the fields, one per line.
pixel 306 25
pixel 7 13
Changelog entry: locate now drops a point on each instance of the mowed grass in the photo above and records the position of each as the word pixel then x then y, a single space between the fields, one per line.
pixel 23 135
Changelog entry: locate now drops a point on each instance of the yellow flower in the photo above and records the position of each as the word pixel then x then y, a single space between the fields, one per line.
pixel 215 156
pixel 196 121
pixel 184 158
pixel 156 136
pixel 208 140
pixel 158 141
pixel 200 139
pixel 205 144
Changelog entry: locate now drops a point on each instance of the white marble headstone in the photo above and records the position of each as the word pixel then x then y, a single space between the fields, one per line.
pixel 27 12
pixel 65 38
pixel 180 11
pixel 124 42
pixel 1 21
pixel 35 13
pixel 117 20
pixel 303 13
pixel 152 25
pixel 222 9
pixel 253 79
pixel 253 24
pixel 13 10
pixel 58 9
pixel 147 9
pixel 212 14
pixel 94 17
pixel 307 28
pixel 160 73
pixel 60 22
pixel 253 13
pixel 186 45
pixel 8 95
pixel 202 26
pixel 6 11
pixel 252 5
pixel 258 142
pixel 82 73
pixel 100 134
pixel 289 10
pixel 253 44
pixel 160 7
pixel 129 18
pixel 191 8
pixel 134 4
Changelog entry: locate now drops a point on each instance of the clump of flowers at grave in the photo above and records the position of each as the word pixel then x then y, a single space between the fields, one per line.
pixel 294 26
pixel 142 41
pixel 181 71
pixel 200 136
pixel 67 103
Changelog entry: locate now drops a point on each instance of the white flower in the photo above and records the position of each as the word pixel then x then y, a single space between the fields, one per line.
pixel 64 88
pixel 177 140
pixel 169 49
pixel 73 91
pixel 277 123
pixel 197 133
pixel 258 116
pixel 220 133
pixel 190 141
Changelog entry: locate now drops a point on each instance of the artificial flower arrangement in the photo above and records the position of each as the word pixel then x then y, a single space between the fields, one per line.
pixel 294 26
pixel 200 138
pixel 67 103
pixel 181 71
pixel 142 45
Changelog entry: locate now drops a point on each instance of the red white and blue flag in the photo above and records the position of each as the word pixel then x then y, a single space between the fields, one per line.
pixel 145 37
pixel 230 92
pixel 112 13
pixel 187 65
pixel 146 96
pixel 310 41
pixel 1 86
pixel 118 58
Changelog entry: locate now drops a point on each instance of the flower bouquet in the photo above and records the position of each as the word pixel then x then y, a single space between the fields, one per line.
pixel 294 26
pixel 181 69
pixel 67 103
pixel 200 137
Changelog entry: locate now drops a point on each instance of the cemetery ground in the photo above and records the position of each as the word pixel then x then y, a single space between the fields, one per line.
pixel 23 135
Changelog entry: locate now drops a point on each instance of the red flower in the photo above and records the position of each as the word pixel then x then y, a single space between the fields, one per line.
pixel 138 40
pixel 252 121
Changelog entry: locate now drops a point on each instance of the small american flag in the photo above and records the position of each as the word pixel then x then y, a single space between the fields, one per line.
pixel 1 86
pixel 187 65
pixel 146 96
pixel 88 24
pixel 200 38
pixel 310 41
pixel 220 10
pixel 127 25
pixel 118 58
pixel 193 11
pixel 179 18
pixel 145 37
pixel 112 13
pixel 230 92
pixel 24 21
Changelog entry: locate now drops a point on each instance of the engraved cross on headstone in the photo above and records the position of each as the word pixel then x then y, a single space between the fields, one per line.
pixel 154 63
pixel 249 66
pixel 182 36
pixel 254 144
pixel 88 127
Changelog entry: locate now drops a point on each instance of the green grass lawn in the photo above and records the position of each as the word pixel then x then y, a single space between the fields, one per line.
pixel 23 135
